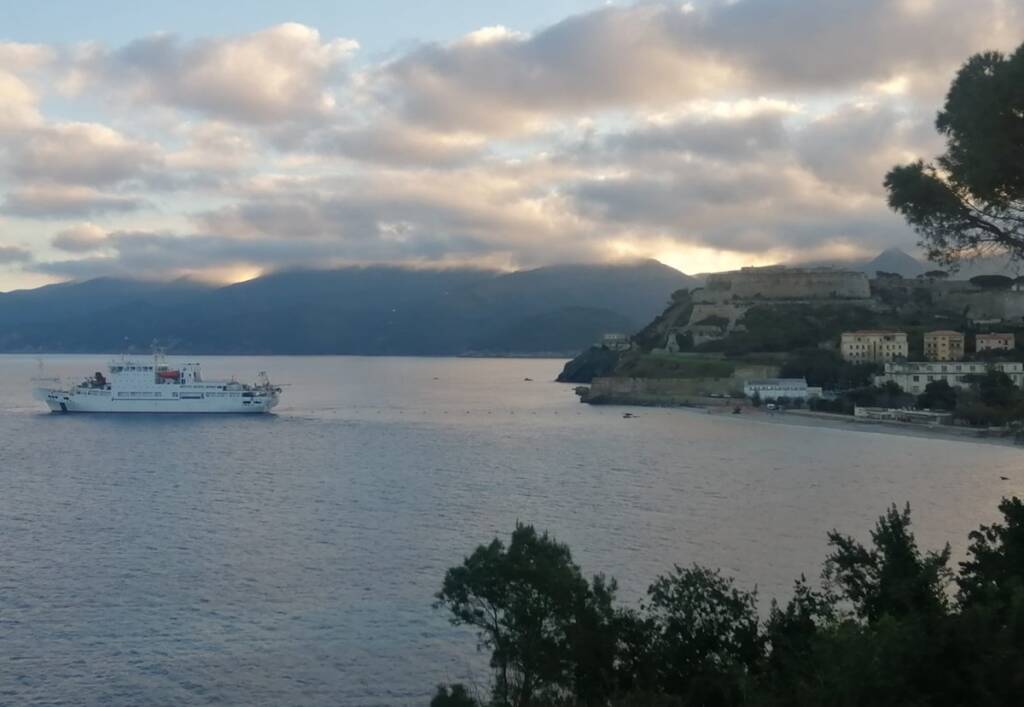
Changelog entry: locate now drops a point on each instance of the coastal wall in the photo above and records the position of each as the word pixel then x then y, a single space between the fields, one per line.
pixel 672 391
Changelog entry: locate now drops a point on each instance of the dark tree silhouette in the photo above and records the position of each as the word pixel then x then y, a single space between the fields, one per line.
pixel 971 200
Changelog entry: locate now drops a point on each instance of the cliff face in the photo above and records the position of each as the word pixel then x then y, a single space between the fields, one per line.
pixel 590 364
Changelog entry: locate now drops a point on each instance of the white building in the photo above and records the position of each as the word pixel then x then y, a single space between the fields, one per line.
pixel 869 346
pixel 926 417
pixel 615 342
pixel 914 376
pixel 775 388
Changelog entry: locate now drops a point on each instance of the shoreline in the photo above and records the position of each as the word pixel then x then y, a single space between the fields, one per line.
pixel 804 418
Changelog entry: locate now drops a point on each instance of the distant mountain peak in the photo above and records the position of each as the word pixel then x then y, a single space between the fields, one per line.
pixel 894 260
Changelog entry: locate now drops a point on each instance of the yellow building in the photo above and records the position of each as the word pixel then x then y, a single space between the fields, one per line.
pixel 872 346
pixel 944 346
pixel 994 342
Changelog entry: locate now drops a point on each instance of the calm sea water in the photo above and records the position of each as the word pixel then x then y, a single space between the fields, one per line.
pixel 292 559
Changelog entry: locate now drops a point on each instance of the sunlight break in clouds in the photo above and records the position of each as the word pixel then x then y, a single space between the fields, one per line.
pixel 709 135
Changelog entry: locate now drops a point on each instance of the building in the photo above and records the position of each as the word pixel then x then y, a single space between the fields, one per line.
pixel 921 417
pixel 994 342
pixel 615 342
pixel 870 346
pixel 944 346
pixel 775 388
pixel 914 376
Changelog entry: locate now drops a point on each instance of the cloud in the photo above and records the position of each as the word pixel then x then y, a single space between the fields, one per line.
pixel 14 254
pixel 856 144
pixel 18 102
pixel 83 238
pixel 594 61
pixel 212 147
pixel 474 211
pixel 397 144
pixel 726 131
pixel 79 153
pixel 172 255
pixel 744 137
pixel 662 54
pixel 60 201
pixel 834 44
pixel 281 73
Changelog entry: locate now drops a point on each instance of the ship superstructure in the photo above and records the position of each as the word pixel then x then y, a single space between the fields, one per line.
pixel 147 386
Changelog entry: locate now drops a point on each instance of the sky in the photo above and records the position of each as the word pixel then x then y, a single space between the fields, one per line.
pixel 223 140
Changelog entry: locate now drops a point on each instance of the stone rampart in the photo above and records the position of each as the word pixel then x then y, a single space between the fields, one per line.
pixel 672 391
pixel 776 283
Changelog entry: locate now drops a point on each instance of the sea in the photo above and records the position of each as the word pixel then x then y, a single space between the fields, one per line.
pixel 293 558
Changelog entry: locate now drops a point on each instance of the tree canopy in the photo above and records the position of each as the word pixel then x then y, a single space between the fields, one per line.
pixel 970 201
pixel 884 628
pixel 992 282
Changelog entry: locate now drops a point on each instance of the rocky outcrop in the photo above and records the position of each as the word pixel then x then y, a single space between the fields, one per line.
pixel 595 361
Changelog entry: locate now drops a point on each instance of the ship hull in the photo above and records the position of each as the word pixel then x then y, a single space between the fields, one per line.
pixel 63 401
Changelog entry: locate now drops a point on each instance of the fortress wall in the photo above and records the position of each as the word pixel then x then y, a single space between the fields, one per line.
pixel 779 283
pixel 985 304
pixel 672 391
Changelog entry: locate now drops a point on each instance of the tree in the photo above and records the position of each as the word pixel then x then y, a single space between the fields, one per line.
pixel 971 200
pixel 994 569
pixel 994 388
pixel 455 696
pixel 538 615
pixel 892 578
pixel 827 369
pixel 937 395
pixel 707 634
pixel 992 282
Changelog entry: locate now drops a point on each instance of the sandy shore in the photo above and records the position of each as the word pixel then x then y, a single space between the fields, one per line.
pixel 806 418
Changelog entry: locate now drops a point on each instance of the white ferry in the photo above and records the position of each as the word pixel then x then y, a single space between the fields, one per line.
pixel 144 386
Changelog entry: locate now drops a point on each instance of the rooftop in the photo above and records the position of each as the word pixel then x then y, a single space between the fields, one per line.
pixel 777 381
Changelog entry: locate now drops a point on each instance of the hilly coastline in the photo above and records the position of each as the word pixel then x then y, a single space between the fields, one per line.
pixel 358 310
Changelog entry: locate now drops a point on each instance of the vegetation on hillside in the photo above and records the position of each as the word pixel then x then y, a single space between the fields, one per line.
pixel 594 362
pixel 890 624
pixel 640 365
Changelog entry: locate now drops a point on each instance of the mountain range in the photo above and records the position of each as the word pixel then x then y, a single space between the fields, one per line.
pixel 359 310
pixel 894 260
